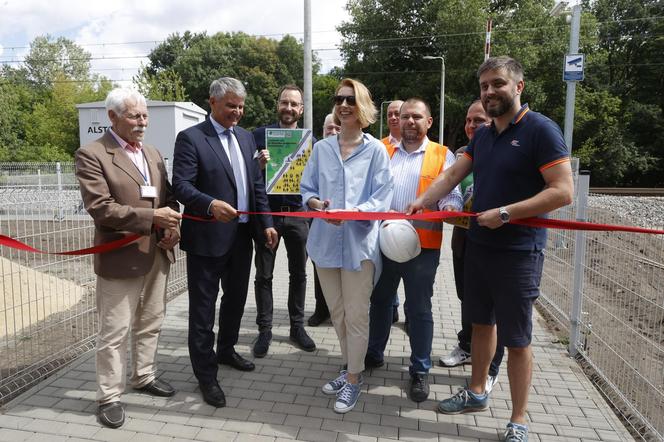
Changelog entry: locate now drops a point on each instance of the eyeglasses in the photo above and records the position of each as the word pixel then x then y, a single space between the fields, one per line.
pixel 349 99
pixel 136 117
pixel 291 103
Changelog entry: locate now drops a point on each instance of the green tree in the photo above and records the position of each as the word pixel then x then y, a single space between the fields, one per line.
pixel 323 90
pixel 384 43
pixel 48 58
pixel 262 64
pixel 165 85
pixel 39 120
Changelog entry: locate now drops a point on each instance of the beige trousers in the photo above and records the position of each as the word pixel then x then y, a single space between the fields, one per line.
pixel 347 295
pixel 136 307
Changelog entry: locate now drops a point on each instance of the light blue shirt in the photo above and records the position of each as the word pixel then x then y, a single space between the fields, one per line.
pixel 406 168
pixel 363 181
pixel 228 144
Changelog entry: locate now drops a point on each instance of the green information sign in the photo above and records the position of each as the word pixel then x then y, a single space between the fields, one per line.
pixel 289 153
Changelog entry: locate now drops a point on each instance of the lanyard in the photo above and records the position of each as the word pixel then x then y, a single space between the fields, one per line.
pixel 144 172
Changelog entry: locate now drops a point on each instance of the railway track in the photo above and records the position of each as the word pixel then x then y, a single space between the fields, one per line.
pixel 628 191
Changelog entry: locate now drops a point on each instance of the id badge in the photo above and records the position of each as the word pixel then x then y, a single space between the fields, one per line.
pixel 148 192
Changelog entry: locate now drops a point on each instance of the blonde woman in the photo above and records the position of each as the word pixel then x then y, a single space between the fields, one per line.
pixel 348 172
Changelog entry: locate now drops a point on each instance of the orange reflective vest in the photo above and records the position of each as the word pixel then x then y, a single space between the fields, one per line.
pixel 430 232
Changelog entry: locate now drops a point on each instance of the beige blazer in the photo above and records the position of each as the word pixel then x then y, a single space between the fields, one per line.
pixel 110 186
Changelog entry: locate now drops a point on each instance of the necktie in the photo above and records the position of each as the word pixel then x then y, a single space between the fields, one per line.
pixel 237 173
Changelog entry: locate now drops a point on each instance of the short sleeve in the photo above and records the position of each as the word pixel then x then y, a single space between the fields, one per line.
pixel 551 146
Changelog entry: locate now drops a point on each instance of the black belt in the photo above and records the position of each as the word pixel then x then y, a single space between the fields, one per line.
pixel 290 209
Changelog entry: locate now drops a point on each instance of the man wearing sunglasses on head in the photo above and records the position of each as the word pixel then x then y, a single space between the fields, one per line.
pixel 294 232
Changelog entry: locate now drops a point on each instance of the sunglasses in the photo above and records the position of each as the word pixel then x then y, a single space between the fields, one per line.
pixel 349 99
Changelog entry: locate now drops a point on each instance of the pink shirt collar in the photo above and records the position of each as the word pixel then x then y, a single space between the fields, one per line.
pixel 126 146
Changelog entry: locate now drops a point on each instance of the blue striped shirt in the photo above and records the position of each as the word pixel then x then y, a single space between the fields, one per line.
pixel 406 168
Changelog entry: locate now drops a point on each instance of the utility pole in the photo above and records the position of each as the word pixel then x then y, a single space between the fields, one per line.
pixel 308 102
pixel 442 94
pixel 571 85
pixel 487 40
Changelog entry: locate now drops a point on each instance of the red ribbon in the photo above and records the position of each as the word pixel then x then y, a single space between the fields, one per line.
pixel 350 216
pixel 101 248
pixel 441 215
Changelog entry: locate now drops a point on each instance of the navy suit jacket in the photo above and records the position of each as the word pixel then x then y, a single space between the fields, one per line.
pixel 202 173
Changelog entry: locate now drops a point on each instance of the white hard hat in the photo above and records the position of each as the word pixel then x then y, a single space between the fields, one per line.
pixel 399 240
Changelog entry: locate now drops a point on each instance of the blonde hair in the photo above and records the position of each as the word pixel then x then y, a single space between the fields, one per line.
pixel 366 110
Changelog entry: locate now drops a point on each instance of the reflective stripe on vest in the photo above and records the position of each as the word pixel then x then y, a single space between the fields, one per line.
pixel 430 232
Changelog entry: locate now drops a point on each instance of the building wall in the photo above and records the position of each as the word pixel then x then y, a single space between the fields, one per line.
pixel 166 121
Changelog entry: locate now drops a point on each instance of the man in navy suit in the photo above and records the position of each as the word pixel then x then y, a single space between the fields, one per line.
pixel 216 175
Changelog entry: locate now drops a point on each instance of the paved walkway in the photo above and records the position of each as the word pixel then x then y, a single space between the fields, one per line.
pixel 282 400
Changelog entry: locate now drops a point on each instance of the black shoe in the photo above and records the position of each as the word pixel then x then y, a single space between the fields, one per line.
pixel 395 314
pixel 371 362
pixel 157 388
pixel 213 394
pixel 262 344
pixel 318 318
pixel 111 415
pixel 405 326
pixel 418 387
pixel 301 339
pixel 236 361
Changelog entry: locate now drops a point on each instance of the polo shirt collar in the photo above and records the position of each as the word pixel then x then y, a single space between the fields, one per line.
pixel 517 118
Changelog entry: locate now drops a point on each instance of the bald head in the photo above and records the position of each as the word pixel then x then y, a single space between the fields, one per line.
pixel 475 117
pixel 329 127
pixel 393 118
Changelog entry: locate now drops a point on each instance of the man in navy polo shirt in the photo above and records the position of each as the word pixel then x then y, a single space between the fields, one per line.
pixel 521 169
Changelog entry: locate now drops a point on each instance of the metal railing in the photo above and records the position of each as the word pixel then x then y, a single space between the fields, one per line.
pixel 606 290
pixel 47 305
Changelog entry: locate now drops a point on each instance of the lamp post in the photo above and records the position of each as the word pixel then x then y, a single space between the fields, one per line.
pixel 442 94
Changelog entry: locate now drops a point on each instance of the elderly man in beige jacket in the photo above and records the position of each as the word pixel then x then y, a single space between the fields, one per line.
pixel 125 189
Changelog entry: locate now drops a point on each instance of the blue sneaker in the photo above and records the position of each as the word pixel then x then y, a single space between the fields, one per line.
pixel 335 385
pixel 463 402
pixel 347 397
pixel 516 433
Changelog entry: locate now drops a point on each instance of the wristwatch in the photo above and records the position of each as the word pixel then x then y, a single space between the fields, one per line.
pixel 504 215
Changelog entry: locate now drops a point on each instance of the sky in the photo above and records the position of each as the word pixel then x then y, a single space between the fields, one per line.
pixel 120 33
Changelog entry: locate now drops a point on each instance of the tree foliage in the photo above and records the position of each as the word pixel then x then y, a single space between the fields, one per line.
pixel 39 121
pixel 262 64
pixel 619 105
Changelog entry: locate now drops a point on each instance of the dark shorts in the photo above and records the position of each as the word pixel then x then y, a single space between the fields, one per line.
pixel 500 288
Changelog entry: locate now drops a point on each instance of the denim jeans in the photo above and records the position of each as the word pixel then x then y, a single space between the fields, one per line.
pixel 418 276
pixel 294 233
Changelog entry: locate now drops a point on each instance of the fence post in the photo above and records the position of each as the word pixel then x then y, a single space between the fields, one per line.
pixel 39 183
pixel 579 260
pixel 58 172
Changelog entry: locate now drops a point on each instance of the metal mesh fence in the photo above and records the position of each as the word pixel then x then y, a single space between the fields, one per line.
pixel 47 307
pixel 39 176
pixel 621 320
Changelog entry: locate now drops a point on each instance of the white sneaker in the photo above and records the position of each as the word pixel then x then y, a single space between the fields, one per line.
pixel 490 382
pixel 456 357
